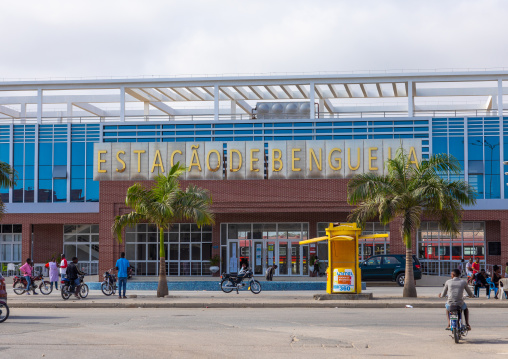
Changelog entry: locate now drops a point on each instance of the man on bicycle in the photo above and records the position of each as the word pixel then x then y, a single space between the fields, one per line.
pixel 455 289
pixel 73 274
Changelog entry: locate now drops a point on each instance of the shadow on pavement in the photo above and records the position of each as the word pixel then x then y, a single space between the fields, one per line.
pixel 485 341
pixel 34 317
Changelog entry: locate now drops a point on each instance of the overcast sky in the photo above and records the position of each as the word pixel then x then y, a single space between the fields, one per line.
pixel 42 39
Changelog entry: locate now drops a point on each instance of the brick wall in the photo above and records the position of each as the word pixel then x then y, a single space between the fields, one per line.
pixel 297 200
pixel 47 242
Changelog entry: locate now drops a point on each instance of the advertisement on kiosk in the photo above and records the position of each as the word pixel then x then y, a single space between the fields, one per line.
pixel 343 280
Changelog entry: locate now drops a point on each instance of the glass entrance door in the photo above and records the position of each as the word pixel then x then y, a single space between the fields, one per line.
pixel 233 257
pixel 270 258
pixel 257 261
pixel 290 257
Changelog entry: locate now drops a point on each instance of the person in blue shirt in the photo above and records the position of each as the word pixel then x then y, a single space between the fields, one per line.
pixel 121 265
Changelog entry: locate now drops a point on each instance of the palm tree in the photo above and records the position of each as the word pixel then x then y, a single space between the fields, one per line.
pixel 7 179
pixel 407 192
pixel 163 204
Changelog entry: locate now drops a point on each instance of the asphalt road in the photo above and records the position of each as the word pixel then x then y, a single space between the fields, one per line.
pixel 247 333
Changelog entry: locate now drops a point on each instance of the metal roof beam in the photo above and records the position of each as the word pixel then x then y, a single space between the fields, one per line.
pixel 329 106
pixel 91 108
pixel 157 96
pixel 257 91
pixel 303 91
pixel 9 112
pixel 379 92
pixel 346 86
pixel 242 92
pixel 395 92
pixel 332 90
pixel 138 94
pixel 287 91
pixel 200 95
pixel 272 92
pixel 244 106
pixel 362 87
pixel 164 108
pixel 186 97
pixel 318 92
pixel 228 93
pixel 170 94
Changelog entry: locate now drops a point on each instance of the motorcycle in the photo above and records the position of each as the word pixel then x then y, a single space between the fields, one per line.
pixel 19 285
pixel 68 288
pixel 459 330
pixel 108 286
pixel 235 281
pixel 4 311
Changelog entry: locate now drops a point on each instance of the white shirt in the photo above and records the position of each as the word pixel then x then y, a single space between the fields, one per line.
pixel 63 266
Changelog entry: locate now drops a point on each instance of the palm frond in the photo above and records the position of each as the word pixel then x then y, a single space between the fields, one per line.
pixel 8 176
pixel 123 221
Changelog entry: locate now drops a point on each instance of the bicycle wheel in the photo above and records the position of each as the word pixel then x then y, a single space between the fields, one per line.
pixel 4 312
pixel 83 291
pixel 107 288
pixel 255 287
pixel 45 288
pixel 19 288
pixel 226 285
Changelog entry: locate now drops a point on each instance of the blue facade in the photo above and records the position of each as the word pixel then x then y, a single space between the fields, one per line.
pixel 57 159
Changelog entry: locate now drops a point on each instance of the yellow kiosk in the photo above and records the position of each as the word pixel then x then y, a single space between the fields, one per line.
pixel 343 272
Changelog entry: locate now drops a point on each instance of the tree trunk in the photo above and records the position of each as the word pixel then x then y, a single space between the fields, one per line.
pixel 162 287
pixel 409 283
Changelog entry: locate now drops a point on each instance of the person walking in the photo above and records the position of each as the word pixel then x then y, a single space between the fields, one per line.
pixel 26 269
pixel 53 273
pixel 460 267
pixel 270 272
pixel 469 270
pixel 63 267
pixel 121 265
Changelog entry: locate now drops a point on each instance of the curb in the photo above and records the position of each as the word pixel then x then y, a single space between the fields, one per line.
pixel 327 304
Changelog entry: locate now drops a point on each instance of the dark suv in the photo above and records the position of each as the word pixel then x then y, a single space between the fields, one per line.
pixel 389 267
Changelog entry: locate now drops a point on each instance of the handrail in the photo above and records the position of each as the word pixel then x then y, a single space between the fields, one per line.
pixel 247 117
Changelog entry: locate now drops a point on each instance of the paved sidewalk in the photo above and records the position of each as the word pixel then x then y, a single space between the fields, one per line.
pixel 384 297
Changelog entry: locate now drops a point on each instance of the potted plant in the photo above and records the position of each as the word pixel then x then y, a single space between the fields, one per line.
pixel 214 263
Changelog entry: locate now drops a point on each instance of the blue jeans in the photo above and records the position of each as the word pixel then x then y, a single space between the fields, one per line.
pixel 122 282
pixel 56 285
pixel 28 282
pixel 74 285
pixel 463 307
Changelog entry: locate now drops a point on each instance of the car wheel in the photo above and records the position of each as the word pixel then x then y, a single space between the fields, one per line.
pixel 401 278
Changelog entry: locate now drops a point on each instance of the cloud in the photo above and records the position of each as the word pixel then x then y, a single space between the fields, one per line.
pixel 131 38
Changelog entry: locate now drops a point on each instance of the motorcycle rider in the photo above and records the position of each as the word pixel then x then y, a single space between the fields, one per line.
pixel 73 274
pixel 26 269
pixel 455 289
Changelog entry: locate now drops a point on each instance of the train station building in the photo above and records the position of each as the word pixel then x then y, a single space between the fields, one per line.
pixel 275 152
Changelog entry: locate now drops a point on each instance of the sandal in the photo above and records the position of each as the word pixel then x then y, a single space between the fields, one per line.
pixel 468 327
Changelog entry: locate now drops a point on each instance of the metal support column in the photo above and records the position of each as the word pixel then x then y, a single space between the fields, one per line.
pixel 410 100
pixel 216 102
pixel 312 97
pixel 11 156
pixel 122 104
